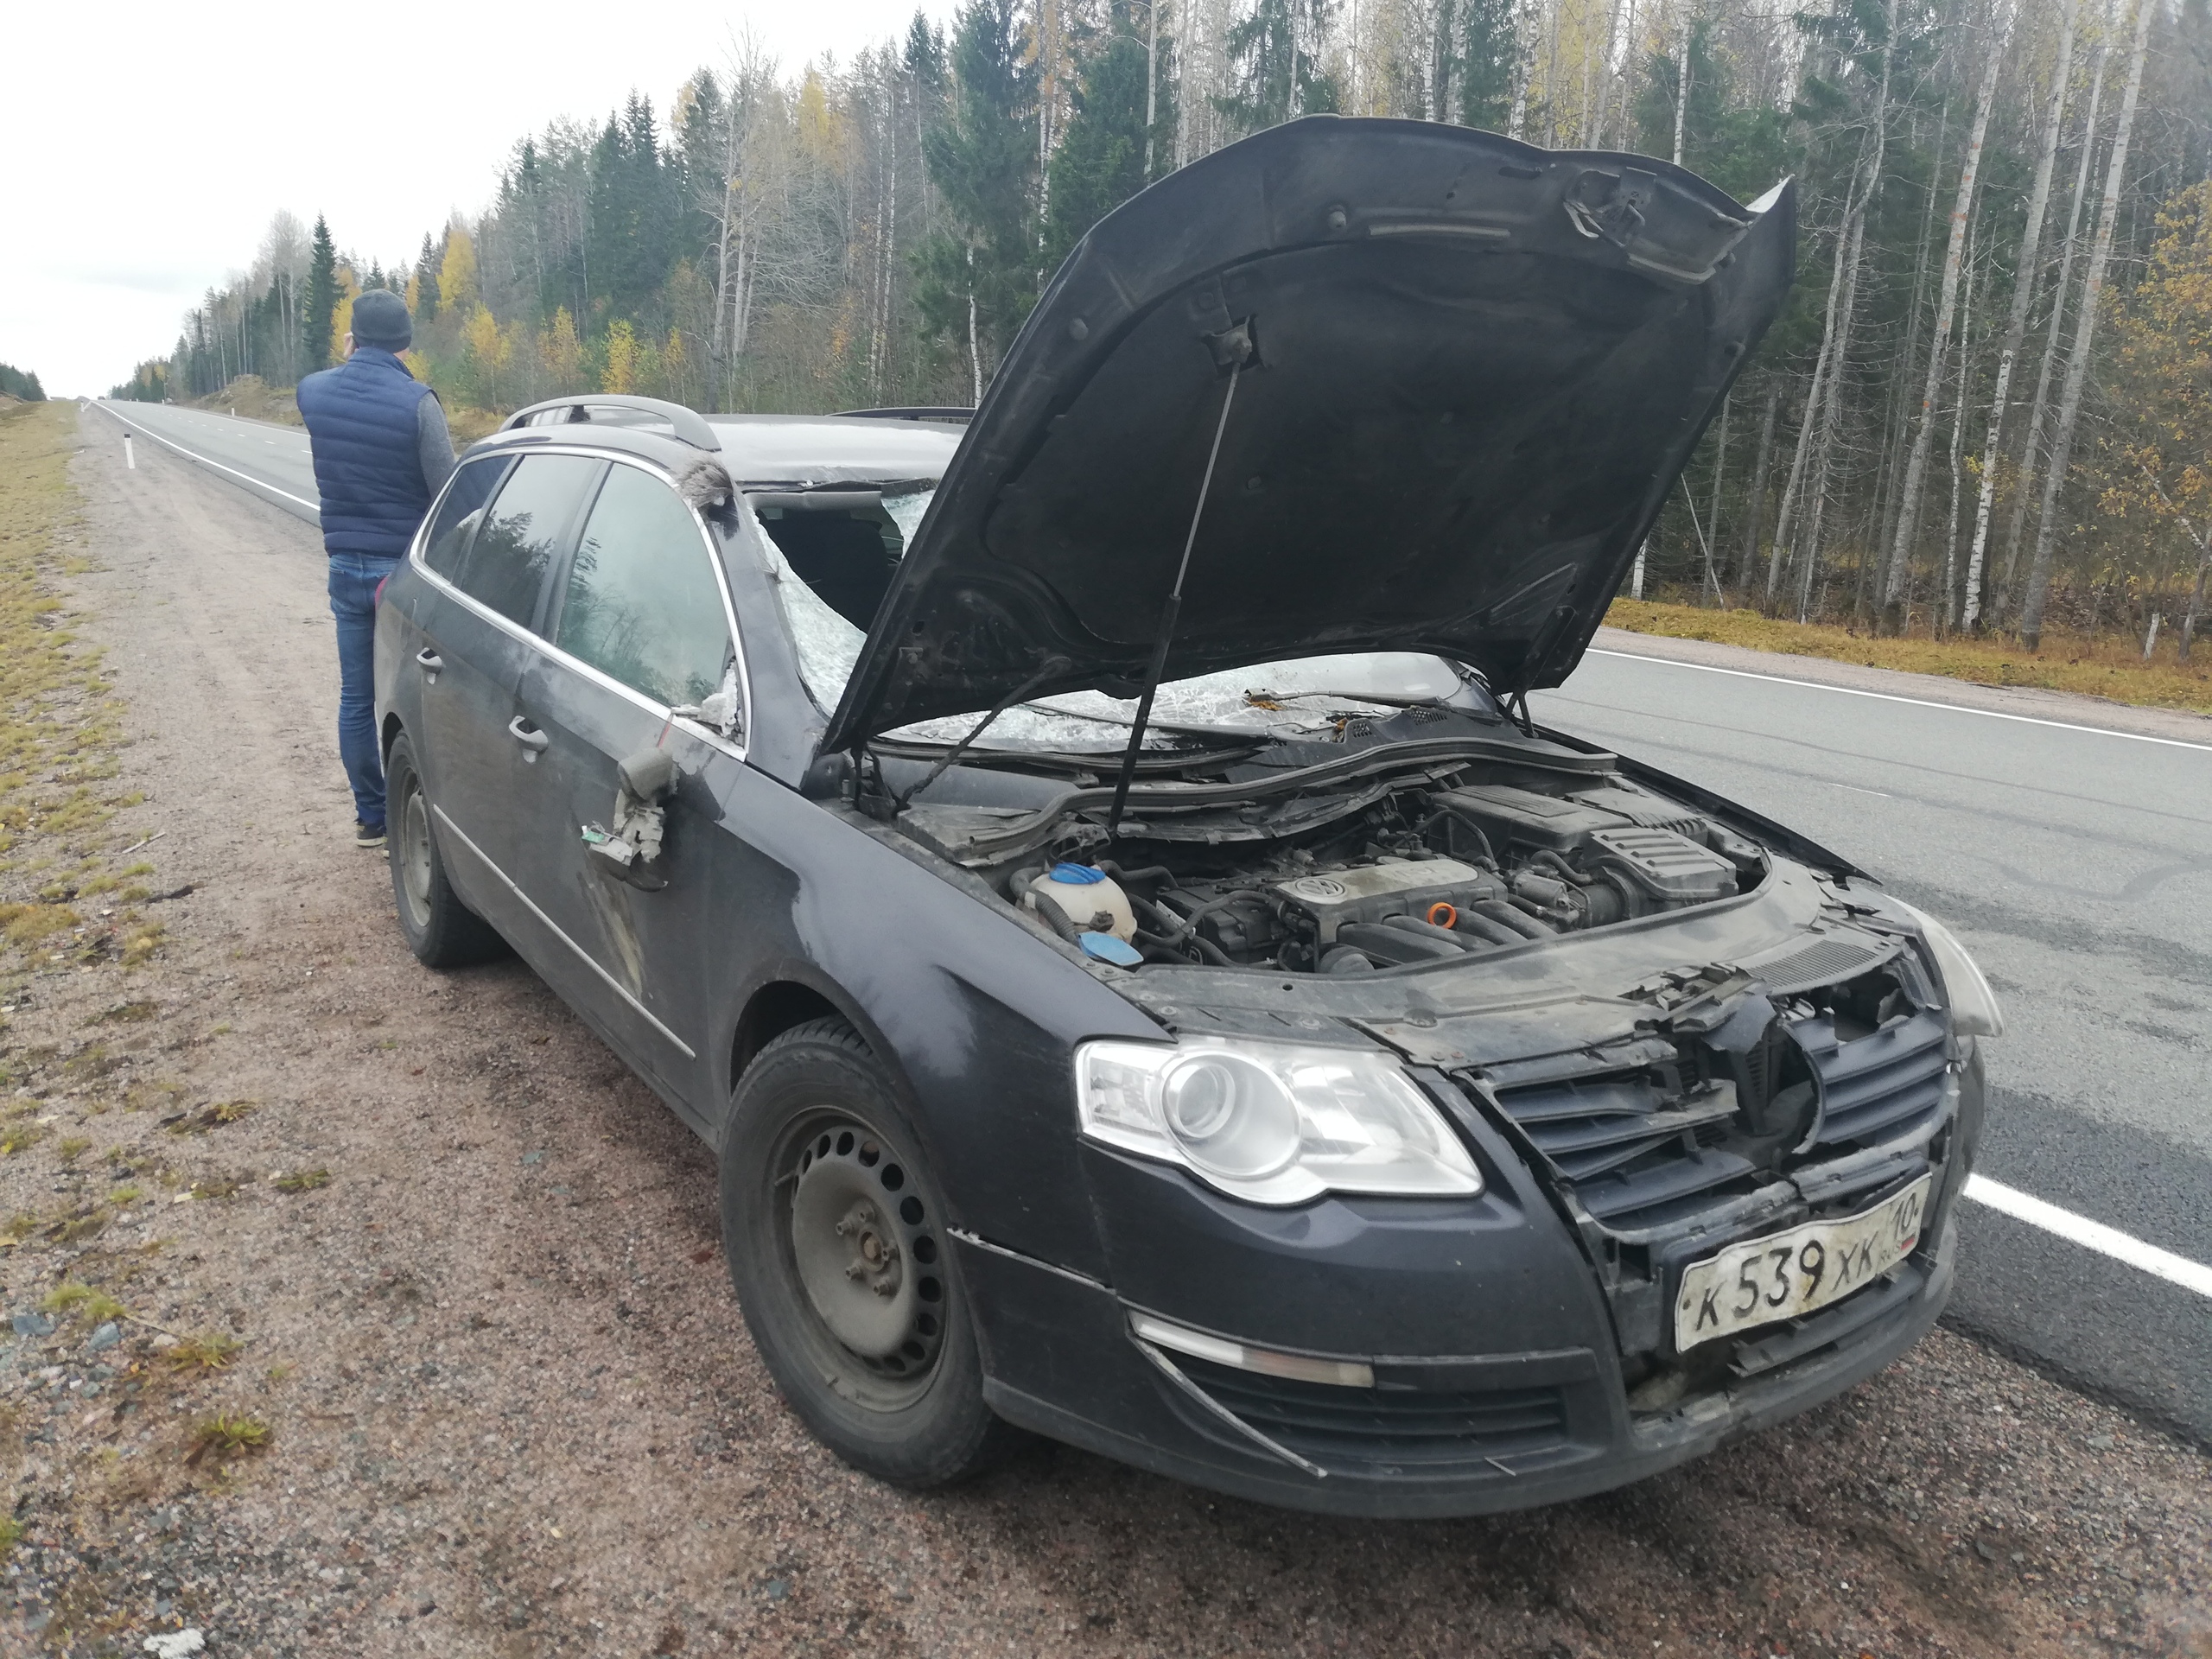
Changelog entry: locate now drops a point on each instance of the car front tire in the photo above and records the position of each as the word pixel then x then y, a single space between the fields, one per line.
pixel 837 1245
pixel 439 929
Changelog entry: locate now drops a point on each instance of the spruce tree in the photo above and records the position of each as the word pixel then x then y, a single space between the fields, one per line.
pixel 1272 51
pixel 322 300
pixel 1100 162
pixel 1483 75
pixel 979 275
pixel 426 280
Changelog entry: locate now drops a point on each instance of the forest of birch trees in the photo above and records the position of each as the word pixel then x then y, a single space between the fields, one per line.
pixel 1988 406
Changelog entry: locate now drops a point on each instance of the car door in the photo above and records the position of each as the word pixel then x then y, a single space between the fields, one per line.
pixel 490 589
pixel 640 626
pixel 430 694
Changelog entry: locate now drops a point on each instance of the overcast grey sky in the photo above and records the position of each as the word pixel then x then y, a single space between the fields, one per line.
pixel 146 146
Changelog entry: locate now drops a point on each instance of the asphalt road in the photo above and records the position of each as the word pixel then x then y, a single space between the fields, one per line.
pixel 270 461
pixel 2078 867
pixel 2076 864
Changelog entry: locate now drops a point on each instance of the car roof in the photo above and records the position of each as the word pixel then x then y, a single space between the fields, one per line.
pixel 766 451
pixel 806 449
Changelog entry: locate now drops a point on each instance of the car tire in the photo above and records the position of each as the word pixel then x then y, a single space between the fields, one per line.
pixel 837 1247
pixel 439 929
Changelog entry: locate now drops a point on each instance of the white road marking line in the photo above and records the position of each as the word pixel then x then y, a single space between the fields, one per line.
pixel 313 506
pixel 2090 1235
pixel 1891 696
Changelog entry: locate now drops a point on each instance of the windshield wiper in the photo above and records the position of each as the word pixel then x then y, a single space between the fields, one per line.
pixel 1053 667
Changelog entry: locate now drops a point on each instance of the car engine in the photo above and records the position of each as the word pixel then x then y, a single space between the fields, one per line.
pixel 1419 874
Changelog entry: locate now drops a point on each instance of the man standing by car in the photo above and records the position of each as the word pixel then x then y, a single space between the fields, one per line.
pixel 381 453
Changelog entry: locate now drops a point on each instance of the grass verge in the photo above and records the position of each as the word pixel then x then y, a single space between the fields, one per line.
pixel 60 906
pixel 2110 668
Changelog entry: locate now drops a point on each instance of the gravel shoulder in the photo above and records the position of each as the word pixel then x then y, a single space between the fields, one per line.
pixel 511 1408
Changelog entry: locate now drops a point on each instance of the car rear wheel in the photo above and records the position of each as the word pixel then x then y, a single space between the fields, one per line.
pixel 440 930
pixel 836 1242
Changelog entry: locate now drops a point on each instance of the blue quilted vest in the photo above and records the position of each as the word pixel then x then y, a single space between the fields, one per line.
pixel 361 422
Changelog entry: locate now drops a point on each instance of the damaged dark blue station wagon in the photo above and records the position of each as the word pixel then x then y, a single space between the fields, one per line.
pixel 1090 872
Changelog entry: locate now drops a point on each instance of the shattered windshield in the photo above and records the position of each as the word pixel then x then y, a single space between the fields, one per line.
pixel 1305 696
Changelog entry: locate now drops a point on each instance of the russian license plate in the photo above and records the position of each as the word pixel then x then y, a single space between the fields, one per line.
pixel 1785 1275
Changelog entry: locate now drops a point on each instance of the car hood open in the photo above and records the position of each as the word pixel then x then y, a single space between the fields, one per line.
pixel 1475 370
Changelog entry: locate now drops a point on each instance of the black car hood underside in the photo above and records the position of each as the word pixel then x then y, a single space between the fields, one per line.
pixel 1477 369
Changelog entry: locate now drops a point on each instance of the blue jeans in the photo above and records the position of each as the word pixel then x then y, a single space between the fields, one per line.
pixel 353 579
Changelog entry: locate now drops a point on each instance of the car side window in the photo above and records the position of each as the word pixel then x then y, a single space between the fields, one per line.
pixel 642 602
pixel 460 512
pixel 523 531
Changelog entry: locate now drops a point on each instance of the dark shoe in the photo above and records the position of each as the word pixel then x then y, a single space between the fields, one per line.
pixel 368 835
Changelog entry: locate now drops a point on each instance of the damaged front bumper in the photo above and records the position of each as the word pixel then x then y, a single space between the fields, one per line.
pixel 1395 1359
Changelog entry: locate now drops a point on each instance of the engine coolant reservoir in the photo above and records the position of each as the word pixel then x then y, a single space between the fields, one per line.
pixel 1084 896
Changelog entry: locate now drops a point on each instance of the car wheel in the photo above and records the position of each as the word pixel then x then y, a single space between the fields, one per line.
pixel 837 1246
pixel 440 930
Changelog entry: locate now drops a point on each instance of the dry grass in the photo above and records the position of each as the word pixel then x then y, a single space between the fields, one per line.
pixel 58 722
pixel 2106 667
pixel 224 1436
pixel 210 1351
pixel 467 425
pixel 252 399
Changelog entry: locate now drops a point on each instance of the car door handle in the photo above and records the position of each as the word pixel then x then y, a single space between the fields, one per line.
pixel 528 735
pixel 429 661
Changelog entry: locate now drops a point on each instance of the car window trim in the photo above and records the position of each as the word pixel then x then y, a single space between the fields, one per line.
pixel 418 551
pixel 531 637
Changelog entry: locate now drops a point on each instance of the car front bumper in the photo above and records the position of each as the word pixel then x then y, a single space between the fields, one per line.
pixel 1064 1363
pixel 1497 1377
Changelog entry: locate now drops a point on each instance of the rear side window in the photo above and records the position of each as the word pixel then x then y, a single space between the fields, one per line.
pixel 459 513
pixel 642 602
pixel 521 536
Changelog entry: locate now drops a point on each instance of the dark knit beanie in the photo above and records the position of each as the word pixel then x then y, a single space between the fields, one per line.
pixel 380 319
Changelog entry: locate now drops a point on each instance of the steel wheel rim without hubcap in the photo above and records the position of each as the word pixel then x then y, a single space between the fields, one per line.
pixel 865 1255
pixel 415 857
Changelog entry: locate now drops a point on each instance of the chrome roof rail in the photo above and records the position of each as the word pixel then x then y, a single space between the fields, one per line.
pixel 691 427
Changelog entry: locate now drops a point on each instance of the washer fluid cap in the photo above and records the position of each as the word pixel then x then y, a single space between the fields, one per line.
pixel 1105 947
pixel 1079 874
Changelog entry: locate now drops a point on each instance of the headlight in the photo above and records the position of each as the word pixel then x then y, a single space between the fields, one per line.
pixel 1270 1122
pixel 1974 1012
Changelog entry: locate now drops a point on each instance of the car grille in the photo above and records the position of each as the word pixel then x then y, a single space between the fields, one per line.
pixel 1878 1084
pixel 1337 1427
pixel 1635 1163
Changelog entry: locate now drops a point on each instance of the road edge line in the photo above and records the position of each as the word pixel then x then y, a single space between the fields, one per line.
pixel 2090 1235
pixel 1918 703
pixel 315 507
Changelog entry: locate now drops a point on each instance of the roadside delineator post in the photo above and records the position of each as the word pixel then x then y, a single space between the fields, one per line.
pixel 129 460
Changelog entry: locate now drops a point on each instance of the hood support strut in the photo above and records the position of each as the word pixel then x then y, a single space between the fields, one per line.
pixel 1233 349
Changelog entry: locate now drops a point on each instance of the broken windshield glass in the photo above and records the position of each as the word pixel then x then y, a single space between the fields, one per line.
pixel 1303 697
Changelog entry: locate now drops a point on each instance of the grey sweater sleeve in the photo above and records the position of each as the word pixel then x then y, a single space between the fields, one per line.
pixel 433 442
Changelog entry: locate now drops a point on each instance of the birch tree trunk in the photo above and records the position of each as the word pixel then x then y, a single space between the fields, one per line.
pixel 2085 330
pixel 1831 412
pixel 2041 406
pixel 1846 307
pixel 1682 90
pixel 1755 495
pixel 1151 80
pixel 1711 535
pixel 1810 418
pixel 2016 325
pixel 1915 472
pixel 1898 421
pixel 1949 609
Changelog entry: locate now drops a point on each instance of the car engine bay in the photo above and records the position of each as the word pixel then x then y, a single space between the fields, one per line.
pixel 1467 860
